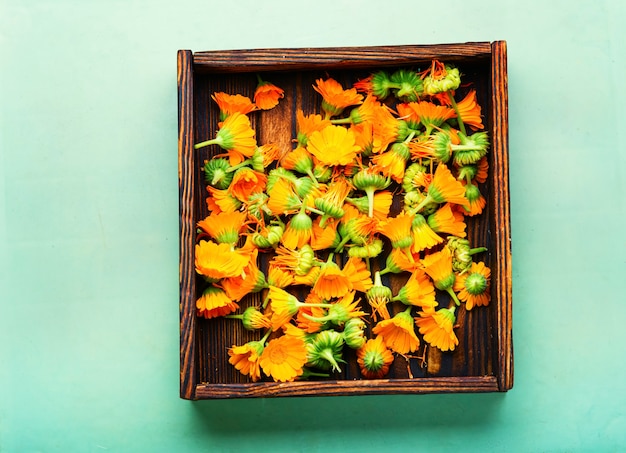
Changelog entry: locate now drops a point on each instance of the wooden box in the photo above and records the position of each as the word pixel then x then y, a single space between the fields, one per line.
pixel 483 360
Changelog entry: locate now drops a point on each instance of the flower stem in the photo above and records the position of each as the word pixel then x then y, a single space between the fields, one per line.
pixel 477 250
pixel 347 120
pixel 213 141
pixel 453 295
pixel 458 115
pixel 427 199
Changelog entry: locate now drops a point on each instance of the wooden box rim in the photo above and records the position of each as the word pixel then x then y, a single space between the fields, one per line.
pixel 295 59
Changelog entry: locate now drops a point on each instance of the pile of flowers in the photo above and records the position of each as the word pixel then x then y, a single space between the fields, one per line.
pixel 386 172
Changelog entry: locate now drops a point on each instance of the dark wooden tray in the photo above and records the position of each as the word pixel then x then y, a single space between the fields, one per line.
pixel 483 360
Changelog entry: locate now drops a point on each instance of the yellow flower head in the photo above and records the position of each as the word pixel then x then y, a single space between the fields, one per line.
pixel 469 110
pixel 247 182
pixel 214 303
pixel 374 358
pixel 232 103
pixel 307 124
pixel 333 145
pixel 221 201
pixel 445 187
pixel 423 235
pixel 418 291
pixel 284 358
pixel 398 230
pixel 332 282
pixel 267 95
pixel 224 227
pixel 437 328
pixel 246 359
pixel 398 333
pixel 251 280
pixel 217 261
pixel 445 220
pixel 474 286
pixel 438 266
pixel 334 98
pixel 236 136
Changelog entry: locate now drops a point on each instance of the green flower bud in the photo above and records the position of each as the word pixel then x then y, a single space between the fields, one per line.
pixel 451 81
pixel 216 173
pixel 461 257
pixel 354 333
pixel 410 85
pixel 325 351
pixel 370 250
pixel 277 173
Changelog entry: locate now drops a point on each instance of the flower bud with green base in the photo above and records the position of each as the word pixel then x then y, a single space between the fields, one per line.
pixel 325 351
pixel 354 333
pixel 409 85
pixel 216 173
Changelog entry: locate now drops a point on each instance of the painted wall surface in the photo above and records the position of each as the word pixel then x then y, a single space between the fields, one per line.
pixel 89 229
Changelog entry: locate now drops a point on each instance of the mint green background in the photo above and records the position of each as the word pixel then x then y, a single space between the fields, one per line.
pixel 89 229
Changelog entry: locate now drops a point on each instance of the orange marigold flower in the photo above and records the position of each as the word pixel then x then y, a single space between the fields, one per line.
pixel 423 235
pixel 224 227
pixel 364 136
pixel 444 220
pixel 340 311
pixel 298 261
pixel 398 230
pixel 333 145
pixel 247 182
pixel 430 115
pixel 473 287
pixel 218 261
pixel 445 188
pixel 334 98
pixel 236 136
pixel 374 358
pixel 267 95
pixel 232 103
pixel 418 291
pixel 476 201
pixel 437 328
pixel 283 198
pixel 381 204
pixel 364 112
pixel 221 201
pixel 398 261
pixel 398 333
pixel 252 319
pixel 284 358
pixel 251 280
pixel 278 277
pixel 469 110
pixel 386 129
pixel 332 282
pixel 323 237
pixel 214 303
pixel 283 306
pixel 307 124
pixel 298 231
pixel 483 168
pixel 358 274
pixel 299 159
pixel 439 266
pixel 246 358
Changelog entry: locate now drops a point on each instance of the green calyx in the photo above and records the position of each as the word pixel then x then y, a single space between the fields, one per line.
pixel 475 284
pixel 409 85
pixel 325 351
pixel 270 236
pixel 471 149
pixel 450 81
pixel 216 173
pixel 365 180
pixel 370 250
pixel 354 333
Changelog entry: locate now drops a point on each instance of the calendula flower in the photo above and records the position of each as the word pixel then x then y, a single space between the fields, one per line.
pixel 469 111
pixel 378 296
pixel 341 310
pixel 437 328
pixel 251 280
pixel 364 137
pixel 470 149
pixel 325 237
pixel 298 231
pixel 252 319
pixel 325 351
pixel 332 281
pixel 216 173
pixel 392 163
pixel 232 103
pixel 473 287
pixel 398 261
pixel 217 261
pixel 476 201
pixel 358 274
pixel 377 84
pixel 307 124
pixel 245 358
pixel 236 136
pixel 482 170
pixel 298 261
pixel 417 291
pixel 214 303
pixel 397 332
pixel 362 113
pixel 430 115
pixel 221 201
pixel 283 358
pixel 278 277
pixel 224 227
pixel 444 188
pixel 441 78
pixel 334 98
pixel 398 230
pixel 333 145
pixel 462 253
pixel 331 201
pixel 283 198
pixel 370 180
pixel 299 159
pixel 269 235
pixel 423 235
pixel 354 333
pixel 374 359
pixel 438 266
pixel 387 129
pixel 247 182
pixel 445 221
pixel 407 85
pixel 267 95
pixel 283 306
